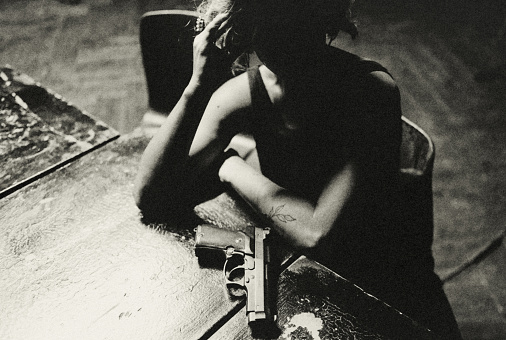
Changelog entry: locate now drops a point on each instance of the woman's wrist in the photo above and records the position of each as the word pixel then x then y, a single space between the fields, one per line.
pixel 198 88
pixel 230 166
pixel 194 89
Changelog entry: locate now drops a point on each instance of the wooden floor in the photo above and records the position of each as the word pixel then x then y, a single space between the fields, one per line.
pixel 447 60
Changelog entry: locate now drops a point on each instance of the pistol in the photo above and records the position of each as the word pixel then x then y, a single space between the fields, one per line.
pixel 255 254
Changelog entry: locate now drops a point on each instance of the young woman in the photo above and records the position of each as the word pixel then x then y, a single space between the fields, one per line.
pixel 327 126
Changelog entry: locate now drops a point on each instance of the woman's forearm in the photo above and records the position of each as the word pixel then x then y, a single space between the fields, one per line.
pixel 293 217
pixel 164 162
pixel 165 157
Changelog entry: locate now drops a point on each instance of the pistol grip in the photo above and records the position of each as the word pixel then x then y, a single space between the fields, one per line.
pixel 210 237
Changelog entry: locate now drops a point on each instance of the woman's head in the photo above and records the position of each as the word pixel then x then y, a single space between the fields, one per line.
pixel 286 28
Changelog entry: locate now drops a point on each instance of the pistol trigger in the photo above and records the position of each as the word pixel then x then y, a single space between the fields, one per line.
pixel 227 276
pixel 239 282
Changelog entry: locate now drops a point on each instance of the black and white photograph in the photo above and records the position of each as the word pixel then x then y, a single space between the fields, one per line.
pixel 252 169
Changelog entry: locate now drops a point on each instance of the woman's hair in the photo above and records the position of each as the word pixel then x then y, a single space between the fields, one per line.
pixel 330 16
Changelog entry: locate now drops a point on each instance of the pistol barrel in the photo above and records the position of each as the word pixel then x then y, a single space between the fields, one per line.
pixel 257 306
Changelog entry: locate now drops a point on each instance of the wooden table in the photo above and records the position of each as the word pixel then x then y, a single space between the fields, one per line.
pixel 40 131
pixel 77 261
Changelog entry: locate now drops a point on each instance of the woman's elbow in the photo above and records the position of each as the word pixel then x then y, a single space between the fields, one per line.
pixel 140 198
pixel 310 240
pixel 150 204
pixel 159 202
pixel 145 196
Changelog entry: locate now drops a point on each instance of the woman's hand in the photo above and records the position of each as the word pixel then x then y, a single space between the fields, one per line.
pixel 211 66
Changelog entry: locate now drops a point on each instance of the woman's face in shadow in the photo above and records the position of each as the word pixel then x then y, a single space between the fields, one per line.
pixel 286 45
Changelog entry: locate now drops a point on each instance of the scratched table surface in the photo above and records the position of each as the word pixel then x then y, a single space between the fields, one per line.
pixel 77 261
pixel 40 130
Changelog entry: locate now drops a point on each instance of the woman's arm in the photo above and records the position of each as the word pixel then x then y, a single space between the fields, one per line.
pixel 298 220
pixel 305 223
pixel 192 137
pixel 164 163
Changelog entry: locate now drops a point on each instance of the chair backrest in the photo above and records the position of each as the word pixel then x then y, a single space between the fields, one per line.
pixel 417 149
pixel 166 39
pixel 416 165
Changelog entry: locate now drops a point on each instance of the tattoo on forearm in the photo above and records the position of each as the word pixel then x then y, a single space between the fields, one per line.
pixel 275 213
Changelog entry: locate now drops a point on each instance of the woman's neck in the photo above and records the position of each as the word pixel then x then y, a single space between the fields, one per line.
pixel 296 67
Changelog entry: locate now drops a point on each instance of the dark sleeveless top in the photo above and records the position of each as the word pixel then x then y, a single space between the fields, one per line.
pixel 367 240
pixel 330 115
pixel 369 246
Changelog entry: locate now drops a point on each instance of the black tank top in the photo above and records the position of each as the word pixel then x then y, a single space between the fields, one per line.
pixel 313 148
pixel 369 246
pixel 379 256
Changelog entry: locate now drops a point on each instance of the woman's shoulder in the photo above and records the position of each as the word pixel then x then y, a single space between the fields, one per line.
pixel 365 95
pixel 349 65
pixel 380 85
pixel 363 79
pixel 233 95
pixel 227 108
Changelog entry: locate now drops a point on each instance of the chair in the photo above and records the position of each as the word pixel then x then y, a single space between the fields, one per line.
pixel 166 39
pixel 416 165
pixel 417 149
